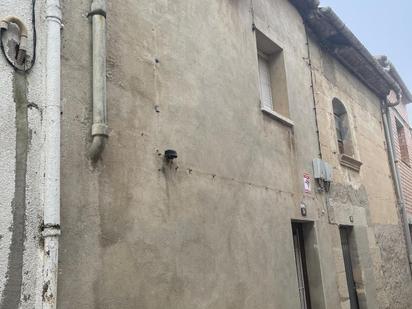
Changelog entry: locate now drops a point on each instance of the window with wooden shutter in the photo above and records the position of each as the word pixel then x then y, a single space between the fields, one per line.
pixel 273 92
pixel 343 136
pixel 403 146
pixel 265 82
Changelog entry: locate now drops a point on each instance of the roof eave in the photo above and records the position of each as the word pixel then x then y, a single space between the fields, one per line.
pixel 337 38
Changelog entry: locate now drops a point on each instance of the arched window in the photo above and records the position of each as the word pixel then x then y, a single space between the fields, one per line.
pixel 343 134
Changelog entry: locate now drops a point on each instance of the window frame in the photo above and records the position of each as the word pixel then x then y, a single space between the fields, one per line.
pixel 263 61
pixel 402 142
pixel 274 55
pixel 344 139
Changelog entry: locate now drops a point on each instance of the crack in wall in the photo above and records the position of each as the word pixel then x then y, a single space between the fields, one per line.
pixel 12 290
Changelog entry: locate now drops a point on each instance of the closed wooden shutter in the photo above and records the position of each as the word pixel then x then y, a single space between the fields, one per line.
pixel 265 83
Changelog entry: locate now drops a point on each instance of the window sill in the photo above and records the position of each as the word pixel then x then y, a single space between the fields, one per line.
pixel 278 117
pixel 350 162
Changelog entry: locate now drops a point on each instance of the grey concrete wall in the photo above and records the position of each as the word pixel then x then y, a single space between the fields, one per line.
pixel 213 229
pixel 21 102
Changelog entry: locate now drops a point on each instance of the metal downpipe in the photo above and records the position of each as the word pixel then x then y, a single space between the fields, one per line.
pixel 99 127
pixel 387 124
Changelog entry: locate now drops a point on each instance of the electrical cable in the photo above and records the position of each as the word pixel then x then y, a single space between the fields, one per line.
pixel 33 59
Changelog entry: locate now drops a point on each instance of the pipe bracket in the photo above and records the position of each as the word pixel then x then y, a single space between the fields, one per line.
pixel 54 12
pixel 51 230
pixel 97 12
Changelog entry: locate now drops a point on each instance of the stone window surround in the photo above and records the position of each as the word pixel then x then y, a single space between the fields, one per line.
pixel 346 159
pixel 273 53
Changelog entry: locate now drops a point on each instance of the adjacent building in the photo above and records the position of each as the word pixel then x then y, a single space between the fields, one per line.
pixel 240 160
pixel 402 136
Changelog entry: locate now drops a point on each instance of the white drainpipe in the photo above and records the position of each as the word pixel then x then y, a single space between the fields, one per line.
pixel 51 228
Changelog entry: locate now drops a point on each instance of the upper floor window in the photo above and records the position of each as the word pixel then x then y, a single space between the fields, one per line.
pixel 272 79
pixel 403 146
pixel 343 135
pixel 265 83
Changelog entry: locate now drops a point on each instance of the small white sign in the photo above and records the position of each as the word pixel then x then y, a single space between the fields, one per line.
pixel 306 183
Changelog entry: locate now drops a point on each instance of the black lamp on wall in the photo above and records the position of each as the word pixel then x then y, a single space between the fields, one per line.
pixel 170 154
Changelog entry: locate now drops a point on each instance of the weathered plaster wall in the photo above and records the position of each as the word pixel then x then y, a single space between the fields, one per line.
pixel 212 230
pixel 21 100
pixel 366 196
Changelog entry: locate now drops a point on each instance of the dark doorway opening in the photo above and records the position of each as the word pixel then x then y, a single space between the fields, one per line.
pixel 345 233
pixel 301 265
pixel 410 229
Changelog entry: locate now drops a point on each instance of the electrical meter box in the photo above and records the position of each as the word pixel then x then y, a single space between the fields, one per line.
pixel 322 170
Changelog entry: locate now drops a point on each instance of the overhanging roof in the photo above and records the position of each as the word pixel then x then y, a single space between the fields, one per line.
pixel 337 38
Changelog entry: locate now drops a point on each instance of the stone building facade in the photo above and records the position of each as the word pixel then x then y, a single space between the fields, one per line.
pixel 281 194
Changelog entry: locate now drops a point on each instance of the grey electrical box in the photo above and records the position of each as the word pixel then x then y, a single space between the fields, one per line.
pixel 322 170
pixel 328 172
pixel 318 170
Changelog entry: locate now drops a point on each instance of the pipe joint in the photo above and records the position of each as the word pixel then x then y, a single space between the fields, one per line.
pixel 98 6
pixel 393 98
pixel 97 12
pixel 22 46
pixel 4 24
pixel 54 13
pixel 97 147
pixel 100 129
pixel 51 231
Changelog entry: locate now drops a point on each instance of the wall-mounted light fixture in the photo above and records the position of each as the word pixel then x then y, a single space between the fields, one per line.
pixel 170 154
pixel 303 210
